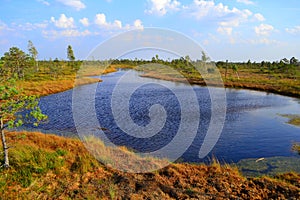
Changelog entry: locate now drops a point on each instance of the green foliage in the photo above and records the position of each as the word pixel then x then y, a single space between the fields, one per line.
pixel 234 67
pixel 70 53
pixel 204 57
pixel 16 62
pixel 13 103
pixel 32 50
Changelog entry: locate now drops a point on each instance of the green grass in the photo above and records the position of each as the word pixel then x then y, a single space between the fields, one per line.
pixel 277 80
pixel 269 166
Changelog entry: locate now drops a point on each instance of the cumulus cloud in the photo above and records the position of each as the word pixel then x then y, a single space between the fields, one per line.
pixel 100 20
pixel 259 17
pixel 77 4
pixel 225 17
pixel 294 30
pixel 84 21
pixel 63 22
pixel 264 29
pixel 137 24
pixel 208 10
pixel 162 7
pixel 247 2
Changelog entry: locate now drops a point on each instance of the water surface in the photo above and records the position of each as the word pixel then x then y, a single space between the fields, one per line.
pixel 253 126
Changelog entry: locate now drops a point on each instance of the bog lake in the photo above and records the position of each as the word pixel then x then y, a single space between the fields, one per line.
pixel 253 128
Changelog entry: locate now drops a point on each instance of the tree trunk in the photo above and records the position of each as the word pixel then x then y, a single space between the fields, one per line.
pixel 237 75
pixel 226 70
pixel 37 66
pixel 5 148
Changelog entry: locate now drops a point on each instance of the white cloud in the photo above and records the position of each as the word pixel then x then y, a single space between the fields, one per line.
pixel 16 28
pixel 84 21
pixel 53 34
pixel 44 2
pixel 259 17
pixel 100 20
pixel 161 7
pixel 118 23
pixel 138 24
pixel 247 2
pixel 77 4
pixel 225 17
pixel 294 30
pixel 29 26
pixel 63 22
pixel 208 10
pixel 264 29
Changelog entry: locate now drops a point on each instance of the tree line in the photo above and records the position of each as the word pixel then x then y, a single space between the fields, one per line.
pixel 26 66
pixel 21 65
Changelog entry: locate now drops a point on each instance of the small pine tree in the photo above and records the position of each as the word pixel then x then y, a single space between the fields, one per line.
pixel 12 103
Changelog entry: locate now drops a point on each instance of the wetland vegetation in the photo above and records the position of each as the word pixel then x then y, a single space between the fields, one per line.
pixel 48 166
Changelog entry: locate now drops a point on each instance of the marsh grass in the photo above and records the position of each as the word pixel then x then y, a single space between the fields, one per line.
pixel 249 78
pixel 51 167
pixel 31 157
pixel 43 84
pixel 120 157
pixel 293 119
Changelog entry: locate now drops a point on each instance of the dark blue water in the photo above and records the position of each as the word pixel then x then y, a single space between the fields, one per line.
pixel 253 126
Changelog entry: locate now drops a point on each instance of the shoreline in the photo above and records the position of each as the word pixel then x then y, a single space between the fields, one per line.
pixel 228 84
pixel 48 87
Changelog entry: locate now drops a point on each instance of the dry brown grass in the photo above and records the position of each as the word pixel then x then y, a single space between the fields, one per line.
pixel 42 88
pixel 122 158
pixel 95 70
pixel 52 167
pixel 248 79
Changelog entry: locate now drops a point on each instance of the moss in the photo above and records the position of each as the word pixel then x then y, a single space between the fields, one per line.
pixel 293 119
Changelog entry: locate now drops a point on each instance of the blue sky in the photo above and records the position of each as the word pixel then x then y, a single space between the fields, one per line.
pixel 236 30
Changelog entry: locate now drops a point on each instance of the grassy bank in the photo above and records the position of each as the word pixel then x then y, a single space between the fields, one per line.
pixel 293 119
pixel 48 167
pixel 246 78
pixel 44 84
pixel 59 76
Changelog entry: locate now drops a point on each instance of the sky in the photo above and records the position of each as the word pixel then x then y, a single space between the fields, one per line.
pixel 237 30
